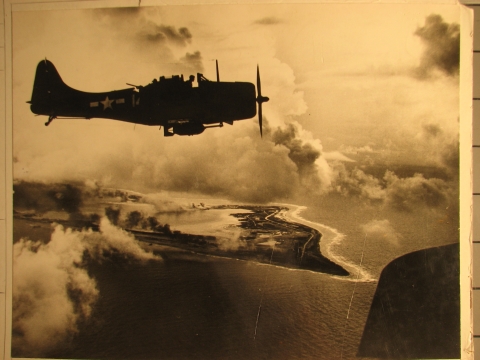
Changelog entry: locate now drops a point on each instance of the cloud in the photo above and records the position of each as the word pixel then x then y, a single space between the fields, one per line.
pixel 450 157
pixel 134 23
pixel 415 192
pixel 442 47
pixel 336 155
pixel 357 183
pixel 193 62
pixel 381 230
pixel 43 312
pixel 406 194
pixel 233 163
pixel 245 167
pixel 52 290
pixel 306 154
pixel 351 150
pixel 159 34
pixel 139 33
pixel 439 147
pixel 286 162
pixel 163 203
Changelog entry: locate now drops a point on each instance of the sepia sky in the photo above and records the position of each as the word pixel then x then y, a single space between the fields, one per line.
pixel 372 83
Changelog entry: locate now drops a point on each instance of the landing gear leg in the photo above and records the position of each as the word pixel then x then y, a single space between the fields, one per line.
pixel 50 119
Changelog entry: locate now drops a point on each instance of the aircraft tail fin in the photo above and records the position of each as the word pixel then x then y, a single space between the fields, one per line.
pixel 48 88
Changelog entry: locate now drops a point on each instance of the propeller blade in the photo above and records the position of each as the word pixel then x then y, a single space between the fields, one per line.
pixel 260 100
pixel 259 85
pixel 260 119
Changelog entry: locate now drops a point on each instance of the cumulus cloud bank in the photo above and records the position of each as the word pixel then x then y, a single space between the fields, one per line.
pixel 417 191
pixel 232 162
pixel 235 163
pixel 398 193
pixel 52 290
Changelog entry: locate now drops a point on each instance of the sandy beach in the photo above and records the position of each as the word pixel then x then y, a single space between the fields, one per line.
pixel 330 237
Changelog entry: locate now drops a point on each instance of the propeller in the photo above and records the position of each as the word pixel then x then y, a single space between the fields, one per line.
pixel 260 100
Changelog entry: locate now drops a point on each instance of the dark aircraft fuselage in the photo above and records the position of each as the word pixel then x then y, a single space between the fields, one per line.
pixel 173 103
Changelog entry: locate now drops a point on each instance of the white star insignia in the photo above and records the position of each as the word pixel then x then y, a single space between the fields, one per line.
pixel 107 103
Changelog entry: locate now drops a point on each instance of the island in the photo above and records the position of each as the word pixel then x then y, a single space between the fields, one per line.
pixel 260 234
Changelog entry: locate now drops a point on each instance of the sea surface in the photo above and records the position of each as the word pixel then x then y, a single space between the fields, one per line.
pixel 192 306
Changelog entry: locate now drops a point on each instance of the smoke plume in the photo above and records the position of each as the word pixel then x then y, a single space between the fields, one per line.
pixel 231 243
pixel 47 197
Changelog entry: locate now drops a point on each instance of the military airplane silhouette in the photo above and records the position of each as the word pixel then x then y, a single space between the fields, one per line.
pixel 176 104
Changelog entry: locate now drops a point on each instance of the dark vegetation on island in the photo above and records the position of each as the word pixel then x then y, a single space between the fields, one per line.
pixel 266 238
pixel 262 235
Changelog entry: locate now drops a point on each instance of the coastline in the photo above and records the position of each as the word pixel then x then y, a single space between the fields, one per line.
pixel 330 237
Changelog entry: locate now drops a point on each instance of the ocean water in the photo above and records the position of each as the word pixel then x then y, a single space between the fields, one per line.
pixel 191 306
pixel 196 307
